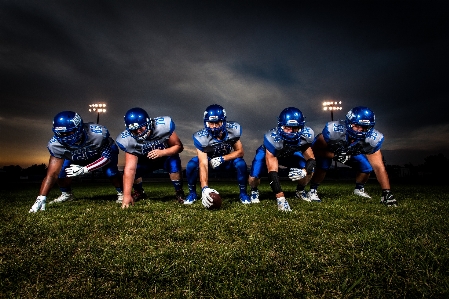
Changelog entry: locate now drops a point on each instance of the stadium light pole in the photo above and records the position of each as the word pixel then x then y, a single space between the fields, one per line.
pixel 332 106
pixel 98 108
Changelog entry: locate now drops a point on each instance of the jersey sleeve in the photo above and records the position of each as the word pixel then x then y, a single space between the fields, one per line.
pixel 272 142
pixel 375 141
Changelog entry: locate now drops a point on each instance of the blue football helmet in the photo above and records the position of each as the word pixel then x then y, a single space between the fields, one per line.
pixel 363 117
pixel 290 117
pixel 135 118
pixel 68 127
pixel 215 113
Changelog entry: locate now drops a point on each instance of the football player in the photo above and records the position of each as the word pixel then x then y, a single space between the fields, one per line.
pixel 353 142
pixel 288 145
pixel 149 144
pixel 77 148
pixel 218 145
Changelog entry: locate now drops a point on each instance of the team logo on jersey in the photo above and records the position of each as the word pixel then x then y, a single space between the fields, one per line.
pixel 96 129
pixel 152 145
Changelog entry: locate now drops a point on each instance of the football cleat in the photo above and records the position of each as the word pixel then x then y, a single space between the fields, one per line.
pixel 119 197
pixel 63 197
pixel 313 195
pixel 255 197
pixel 138 195
pixel 302 195
pixel 283 204
pixel 244 198
pixel 190 199
pixel 39 205
pixel 180 196
pixel 361 192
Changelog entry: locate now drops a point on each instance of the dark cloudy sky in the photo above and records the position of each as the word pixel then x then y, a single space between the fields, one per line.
pixel 253 57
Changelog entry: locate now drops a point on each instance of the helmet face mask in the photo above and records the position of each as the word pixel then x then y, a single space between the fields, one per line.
pixel 359 122
pixel 290 117
pixel 68 128
pixel 216 115
pixel 135 119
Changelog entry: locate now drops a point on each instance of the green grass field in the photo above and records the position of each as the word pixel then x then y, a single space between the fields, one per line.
pixel 344 247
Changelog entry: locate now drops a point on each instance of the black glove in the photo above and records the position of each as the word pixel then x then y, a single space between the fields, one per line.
pixel 310 166
pixel 388 198
pixel 342 157
pixel 355 150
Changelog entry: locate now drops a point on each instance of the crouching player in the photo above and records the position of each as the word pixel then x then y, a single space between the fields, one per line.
pixel 218 145
pixel 288 145
pixel 353 142
pixel 75 149
pixel 150 144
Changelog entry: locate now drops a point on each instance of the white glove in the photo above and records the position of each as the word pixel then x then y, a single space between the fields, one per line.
pixel 74 170
pixel 39 204
pixel 215 162
pixel 296 174
pixel 205 198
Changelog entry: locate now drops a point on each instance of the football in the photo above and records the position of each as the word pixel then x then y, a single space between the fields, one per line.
pixel 216 201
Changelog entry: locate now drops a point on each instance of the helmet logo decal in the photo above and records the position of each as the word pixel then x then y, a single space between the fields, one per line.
pixel 60 128
pixel 76 119
pixel 213 118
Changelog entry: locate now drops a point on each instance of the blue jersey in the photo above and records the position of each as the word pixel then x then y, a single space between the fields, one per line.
pixel 334 134
pixel 204 142
pixel 96 143
pixel 163 127
pixel 280 148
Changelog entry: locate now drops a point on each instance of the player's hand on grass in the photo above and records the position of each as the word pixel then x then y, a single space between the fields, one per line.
pixel 127 201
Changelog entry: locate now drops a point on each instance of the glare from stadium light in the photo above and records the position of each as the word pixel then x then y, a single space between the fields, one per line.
pixel 332 106
pixel 98 108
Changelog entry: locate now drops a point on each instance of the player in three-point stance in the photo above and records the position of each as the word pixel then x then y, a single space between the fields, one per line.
pixel 218 145
pixel 353 142
pixel 149 144
pixel 288 145
pixel 75 149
